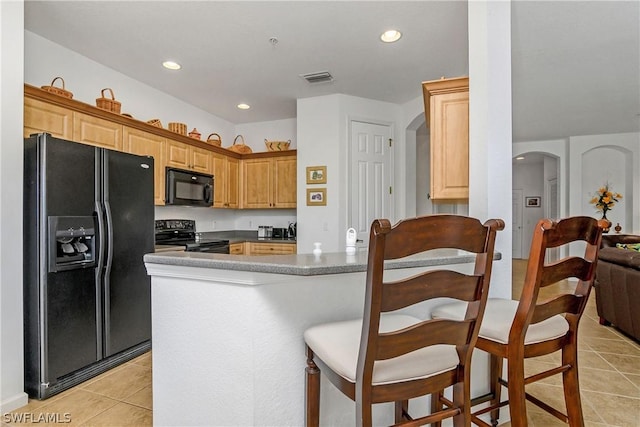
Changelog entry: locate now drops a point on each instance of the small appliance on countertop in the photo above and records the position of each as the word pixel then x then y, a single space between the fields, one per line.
pixel 293 230
pixel 182 232
pixel 265 231
pixel 279 233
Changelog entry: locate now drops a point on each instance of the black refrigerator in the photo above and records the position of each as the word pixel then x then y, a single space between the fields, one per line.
pixel 88 221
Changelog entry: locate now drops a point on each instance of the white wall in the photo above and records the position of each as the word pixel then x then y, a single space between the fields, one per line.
pixel 45 60
pixel 585 163
pixel 12 394
pixel 323 140
pixel 424 205
pixel 490 134
pixel 254 134
pixel 596 159
pixel 408 157
pixel 530 179
pixel 557 148
pixel 319 144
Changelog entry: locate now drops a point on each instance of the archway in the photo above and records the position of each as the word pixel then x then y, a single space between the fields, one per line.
pixel 536 195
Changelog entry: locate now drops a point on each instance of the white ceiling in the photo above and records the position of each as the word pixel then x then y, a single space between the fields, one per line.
pixel 576 64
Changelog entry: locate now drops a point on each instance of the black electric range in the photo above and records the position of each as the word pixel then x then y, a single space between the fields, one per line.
pixel 182 232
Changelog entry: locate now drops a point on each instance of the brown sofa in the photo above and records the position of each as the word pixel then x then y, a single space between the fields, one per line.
pixel 617 284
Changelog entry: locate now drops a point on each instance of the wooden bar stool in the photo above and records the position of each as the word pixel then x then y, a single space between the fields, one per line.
pixel 516 330
pixel 393 357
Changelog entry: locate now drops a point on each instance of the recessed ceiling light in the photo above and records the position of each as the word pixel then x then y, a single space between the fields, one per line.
pixel 520 158
pixel 171 65
pixel 391 36
pixel 244 106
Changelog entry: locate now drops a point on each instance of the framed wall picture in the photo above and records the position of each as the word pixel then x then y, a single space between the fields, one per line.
pixel 316 174
pixel 316 196
pixel 532 202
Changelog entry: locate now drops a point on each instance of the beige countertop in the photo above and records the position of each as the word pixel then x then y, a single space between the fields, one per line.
pixel 305 264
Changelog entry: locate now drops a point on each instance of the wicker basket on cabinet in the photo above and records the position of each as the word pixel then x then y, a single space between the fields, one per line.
pixel 217 141
pixel 56 90
pixel 109 104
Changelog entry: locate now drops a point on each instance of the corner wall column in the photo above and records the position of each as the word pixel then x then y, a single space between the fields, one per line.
pixel 490 136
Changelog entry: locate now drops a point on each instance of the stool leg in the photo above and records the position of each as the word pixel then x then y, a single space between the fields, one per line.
pixel 436 406
pixel 517 400
pixel 312 392
pixel 571 385
pixel 496 388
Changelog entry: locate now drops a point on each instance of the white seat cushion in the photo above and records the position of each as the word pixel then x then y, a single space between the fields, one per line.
pixel 497 320
pixel 338 344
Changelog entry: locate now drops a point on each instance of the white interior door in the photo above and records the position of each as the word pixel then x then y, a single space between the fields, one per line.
pixel 370 186
pixel 517 203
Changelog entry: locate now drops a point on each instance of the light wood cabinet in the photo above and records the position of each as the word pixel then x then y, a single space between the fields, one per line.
pixel 188 157
pixel 96 131
pixel 201 159
pixel 225 181
pixel 269 182
pixel 269 179
pixel 256 183
pixel 40 116
pixel 446 104
pixel 270 248
pixel 285 182
pixel 233 182
pixel 148 144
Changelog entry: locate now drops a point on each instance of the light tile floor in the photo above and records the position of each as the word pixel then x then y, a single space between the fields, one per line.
pixel 609 379
pixel 119 397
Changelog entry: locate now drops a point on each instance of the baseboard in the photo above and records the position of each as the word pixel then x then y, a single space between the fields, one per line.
pixel 14 402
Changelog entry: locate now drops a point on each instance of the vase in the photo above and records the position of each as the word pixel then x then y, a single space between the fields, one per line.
pixel 618 228
pixel 608 226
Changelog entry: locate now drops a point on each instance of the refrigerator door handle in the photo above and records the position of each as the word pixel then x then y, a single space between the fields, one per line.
pixel 107 209
pixel 107 277
pixel 98 275
pixel 101 243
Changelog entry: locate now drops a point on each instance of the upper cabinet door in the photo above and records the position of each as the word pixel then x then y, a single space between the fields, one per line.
pixel 447 115
pixel 184 156
pixel 284 182
pixel 233 183
pixel 201 160
pixel 256 183
pixel 41 116
pixel 147 144
pixel 97 132
pixel 219 163
pixel 178 155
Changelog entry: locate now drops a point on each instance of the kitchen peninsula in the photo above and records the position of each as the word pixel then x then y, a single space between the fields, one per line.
pixel 227 332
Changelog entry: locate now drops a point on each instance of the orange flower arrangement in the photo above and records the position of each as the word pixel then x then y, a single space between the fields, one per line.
pixel 605 199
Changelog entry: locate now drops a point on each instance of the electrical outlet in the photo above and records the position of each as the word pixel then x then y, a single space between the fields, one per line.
pixel 250 224
pixel 213 225
pixel 325 226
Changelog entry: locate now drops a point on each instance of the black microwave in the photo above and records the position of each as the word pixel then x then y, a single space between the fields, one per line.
pixel 188 188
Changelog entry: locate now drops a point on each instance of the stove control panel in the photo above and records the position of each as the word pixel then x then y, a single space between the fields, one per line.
pixel 175 224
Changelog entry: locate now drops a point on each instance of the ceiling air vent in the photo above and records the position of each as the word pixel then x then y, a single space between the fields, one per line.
pixel 320 77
